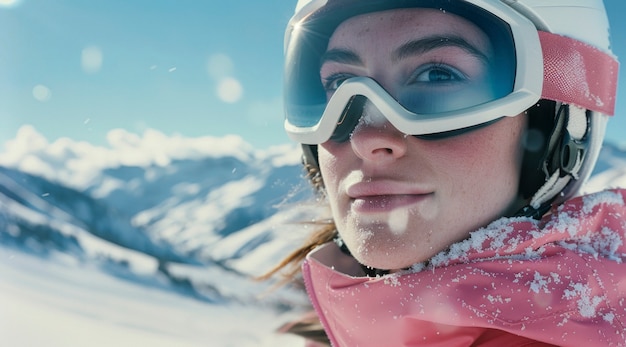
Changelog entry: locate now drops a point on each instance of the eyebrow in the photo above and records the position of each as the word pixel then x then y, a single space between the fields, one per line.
pixel 342 56
pixel 430 43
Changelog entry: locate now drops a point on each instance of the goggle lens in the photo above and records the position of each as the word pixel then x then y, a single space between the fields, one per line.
pixel 449 74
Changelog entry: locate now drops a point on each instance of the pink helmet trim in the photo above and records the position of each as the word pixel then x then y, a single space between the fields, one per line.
pixel 579 74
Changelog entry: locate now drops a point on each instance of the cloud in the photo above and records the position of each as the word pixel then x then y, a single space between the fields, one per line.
pixel 78 163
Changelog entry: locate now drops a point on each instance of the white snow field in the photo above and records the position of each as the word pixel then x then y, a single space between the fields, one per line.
pixel 61 303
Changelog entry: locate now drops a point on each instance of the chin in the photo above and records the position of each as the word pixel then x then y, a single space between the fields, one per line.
pixel 389 258
pixel 377 246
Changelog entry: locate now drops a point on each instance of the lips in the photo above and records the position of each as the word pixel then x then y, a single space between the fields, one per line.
pixel 385 196
pixel 385 203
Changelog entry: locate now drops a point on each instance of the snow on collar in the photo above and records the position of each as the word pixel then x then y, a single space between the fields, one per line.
pixel 522 238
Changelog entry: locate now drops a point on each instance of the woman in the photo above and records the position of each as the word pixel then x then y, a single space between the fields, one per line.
pixel 450 139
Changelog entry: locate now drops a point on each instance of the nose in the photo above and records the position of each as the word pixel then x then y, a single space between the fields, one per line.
pixel 375 139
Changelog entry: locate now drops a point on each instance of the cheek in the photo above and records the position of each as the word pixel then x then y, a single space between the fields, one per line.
pixel 486 164
pixel 492 150
pixel 332 172
pixel 327 163
pixel 332 164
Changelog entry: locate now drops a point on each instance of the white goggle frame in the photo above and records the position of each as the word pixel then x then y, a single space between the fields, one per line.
pixel 526 90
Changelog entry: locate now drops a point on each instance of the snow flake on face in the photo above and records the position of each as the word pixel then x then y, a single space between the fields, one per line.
pixel 364 236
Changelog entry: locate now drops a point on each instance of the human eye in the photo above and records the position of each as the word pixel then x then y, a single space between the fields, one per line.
pixel 437 73
pixel 332 82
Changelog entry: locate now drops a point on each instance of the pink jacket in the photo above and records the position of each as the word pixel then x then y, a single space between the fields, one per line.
pixel 518 282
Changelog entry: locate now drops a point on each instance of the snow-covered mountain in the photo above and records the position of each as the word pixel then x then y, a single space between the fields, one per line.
pixel 204 214
pixel 194 216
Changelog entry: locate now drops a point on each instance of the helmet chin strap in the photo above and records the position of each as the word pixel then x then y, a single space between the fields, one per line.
pixel 567 148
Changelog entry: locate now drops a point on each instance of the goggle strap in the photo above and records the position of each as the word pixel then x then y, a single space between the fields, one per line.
pixel 579 74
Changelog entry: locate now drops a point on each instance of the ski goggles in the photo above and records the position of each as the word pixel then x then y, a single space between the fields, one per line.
pixel 525 66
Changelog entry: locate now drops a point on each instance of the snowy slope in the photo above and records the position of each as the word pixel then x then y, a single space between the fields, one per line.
pixel 57 302
pixel 153 240
pixel 193 219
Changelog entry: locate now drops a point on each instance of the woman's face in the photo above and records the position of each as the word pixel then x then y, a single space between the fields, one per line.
pixel 398 200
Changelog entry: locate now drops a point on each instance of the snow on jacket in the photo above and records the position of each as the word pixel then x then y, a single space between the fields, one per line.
pixel 517 282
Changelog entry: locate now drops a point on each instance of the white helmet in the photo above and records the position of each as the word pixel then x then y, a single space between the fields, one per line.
pixel 552 65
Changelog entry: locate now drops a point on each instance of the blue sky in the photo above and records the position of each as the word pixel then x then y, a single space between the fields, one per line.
pixel 78 69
